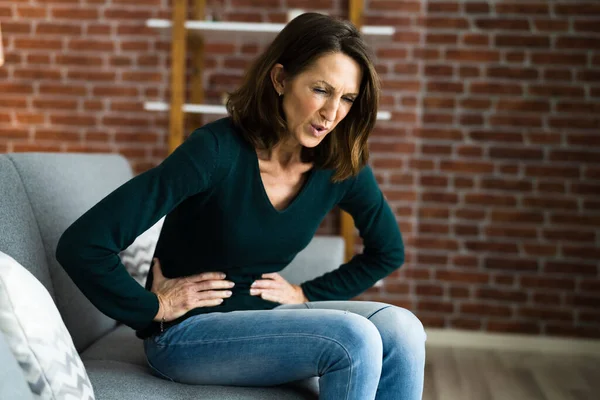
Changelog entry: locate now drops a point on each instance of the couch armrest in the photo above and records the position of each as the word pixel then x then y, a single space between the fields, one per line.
pixel 12 381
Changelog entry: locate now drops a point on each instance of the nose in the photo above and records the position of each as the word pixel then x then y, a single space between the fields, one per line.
pixel 330 109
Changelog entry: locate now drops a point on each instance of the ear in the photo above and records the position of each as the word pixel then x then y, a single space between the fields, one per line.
pixel 278 78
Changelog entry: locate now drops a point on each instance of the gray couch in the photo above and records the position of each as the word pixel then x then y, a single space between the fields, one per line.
pixel 41 194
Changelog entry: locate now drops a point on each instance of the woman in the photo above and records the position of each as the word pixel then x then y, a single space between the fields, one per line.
pixel 242 196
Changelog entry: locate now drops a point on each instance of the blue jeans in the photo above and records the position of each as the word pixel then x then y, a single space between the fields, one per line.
pixel 360 350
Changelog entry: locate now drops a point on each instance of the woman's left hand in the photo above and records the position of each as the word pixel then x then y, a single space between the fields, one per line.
pixel 275 288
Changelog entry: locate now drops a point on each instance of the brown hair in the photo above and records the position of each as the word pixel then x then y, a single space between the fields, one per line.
pixel 256 109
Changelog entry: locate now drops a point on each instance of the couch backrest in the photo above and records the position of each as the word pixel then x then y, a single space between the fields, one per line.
pixel 323 254
pixel 19 233
pixel 41 195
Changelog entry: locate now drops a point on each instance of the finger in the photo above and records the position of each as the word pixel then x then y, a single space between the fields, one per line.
pixel 270 296
pixel 272 275
pixel 205 276
pixel 214 294
pixel 269 292
pixel 213 284
pixel 209 303
pixel 257 292
pixel 265 284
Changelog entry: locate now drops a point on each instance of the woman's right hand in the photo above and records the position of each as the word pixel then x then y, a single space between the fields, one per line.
pixel 179 295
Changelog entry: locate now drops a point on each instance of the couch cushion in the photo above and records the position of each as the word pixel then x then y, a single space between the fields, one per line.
pixel 37 336
pixel 137 258
pixel 118 345
pixel 60 188
pixel 121 347
pixel 115 380
pixel 12 381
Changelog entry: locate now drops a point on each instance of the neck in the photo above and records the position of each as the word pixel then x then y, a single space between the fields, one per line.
pixel 284 154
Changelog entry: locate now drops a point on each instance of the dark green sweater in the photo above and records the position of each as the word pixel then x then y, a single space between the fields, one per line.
pixel 219 218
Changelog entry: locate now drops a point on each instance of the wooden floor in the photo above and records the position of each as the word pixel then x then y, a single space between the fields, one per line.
pixel 474 374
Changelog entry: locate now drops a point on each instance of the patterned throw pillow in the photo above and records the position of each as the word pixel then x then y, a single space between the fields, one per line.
pixel 38 338
pixel 138 256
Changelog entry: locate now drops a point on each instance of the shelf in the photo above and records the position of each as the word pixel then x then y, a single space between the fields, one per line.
pixel 215 29
pixel 187 108
pixel 218 110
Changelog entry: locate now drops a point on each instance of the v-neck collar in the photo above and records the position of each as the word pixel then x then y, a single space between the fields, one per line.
pixel 263 191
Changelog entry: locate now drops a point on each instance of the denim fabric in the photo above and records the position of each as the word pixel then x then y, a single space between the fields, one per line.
pixel 360 350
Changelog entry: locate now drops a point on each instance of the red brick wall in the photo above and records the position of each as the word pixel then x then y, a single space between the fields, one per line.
pixel 500 181
pixel 491 160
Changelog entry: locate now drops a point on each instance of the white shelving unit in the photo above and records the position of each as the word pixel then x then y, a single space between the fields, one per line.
pixel 218 110
pixel 254 28
pixel 217 31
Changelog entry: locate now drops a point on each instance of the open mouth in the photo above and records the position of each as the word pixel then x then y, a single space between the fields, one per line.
pixel 318 128
pixel 317 131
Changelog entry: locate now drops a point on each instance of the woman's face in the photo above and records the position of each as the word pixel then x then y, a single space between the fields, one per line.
pixel 316 100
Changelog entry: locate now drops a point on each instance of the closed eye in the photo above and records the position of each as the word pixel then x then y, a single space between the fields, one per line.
pixel 321 91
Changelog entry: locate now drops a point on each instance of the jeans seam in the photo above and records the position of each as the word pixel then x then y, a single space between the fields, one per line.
pixel 246 338
pixel 348 354
pixel 159 372
pixel 156 369
pixel 382 308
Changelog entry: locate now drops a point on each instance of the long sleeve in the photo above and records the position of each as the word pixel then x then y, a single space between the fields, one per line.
pixel 383 246
pixel 88 249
